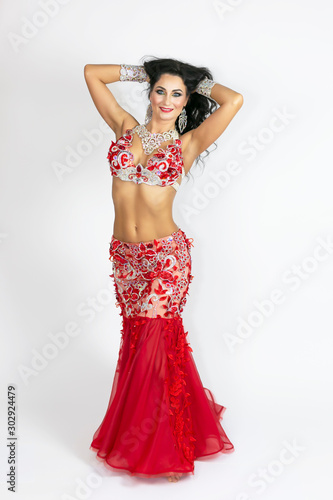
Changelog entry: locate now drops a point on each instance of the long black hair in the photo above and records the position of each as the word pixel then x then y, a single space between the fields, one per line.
pixel 198 106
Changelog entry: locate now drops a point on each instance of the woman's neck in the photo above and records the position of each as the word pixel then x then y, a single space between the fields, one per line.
pixel 158 128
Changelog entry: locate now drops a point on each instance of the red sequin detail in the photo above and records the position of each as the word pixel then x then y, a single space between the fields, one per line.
pixel 163 168
pixel 152 282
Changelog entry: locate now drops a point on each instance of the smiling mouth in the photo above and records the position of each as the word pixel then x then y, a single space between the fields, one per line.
pixel 166 110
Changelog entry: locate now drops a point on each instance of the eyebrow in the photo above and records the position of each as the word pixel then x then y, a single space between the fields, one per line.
pixel 160 87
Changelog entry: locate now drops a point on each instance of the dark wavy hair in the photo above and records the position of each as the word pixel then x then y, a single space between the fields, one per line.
pixel 198 106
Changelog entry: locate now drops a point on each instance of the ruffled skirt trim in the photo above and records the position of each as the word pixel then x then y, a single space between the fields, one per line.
pixel 159 418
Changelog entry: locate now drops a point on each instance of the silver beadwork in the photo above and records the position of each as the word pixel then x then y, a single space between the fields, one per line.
pixel 205 87
pixel 149 114
pixel 130 72
pixel 182 120
pixel 151 141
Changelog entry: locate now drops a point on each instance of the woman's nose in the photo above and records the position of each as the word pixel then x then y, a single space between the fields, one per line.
pixel 167 99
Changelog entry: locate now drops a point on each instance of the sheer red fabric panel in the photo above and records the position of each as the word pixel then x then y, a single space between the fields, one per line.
pixel 159 418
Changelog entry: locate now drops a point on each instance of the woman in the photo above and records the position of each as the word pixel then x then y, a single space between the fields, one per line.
pixel 159 418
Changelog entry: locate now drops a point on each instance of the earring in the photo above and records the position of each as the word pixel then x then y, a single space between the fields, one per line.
pixel 149 114
pixel 182 120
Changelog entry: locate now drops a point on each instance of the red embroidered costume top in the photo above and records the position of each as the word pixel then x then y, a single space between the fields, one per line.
pixel 164 168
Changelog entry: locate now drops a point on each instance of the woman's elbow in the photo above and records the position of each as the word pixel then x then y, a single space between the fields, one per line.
pixel 238 100
pixel 87 69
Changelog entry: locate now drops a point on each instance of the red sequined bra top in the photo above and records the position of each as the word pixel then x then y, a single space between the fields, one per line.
pixel 162 169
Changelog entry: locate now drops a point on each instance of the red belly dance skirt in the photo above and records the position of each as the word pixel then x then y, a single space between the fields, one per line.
pixel 159 418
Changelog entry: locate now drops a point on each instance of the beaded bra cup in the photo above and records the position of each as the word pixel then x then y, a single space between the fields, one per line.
pixel 163 168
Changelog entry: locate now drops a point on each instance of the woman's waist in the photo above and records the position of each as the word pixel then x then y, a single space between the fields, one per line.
pixel 142 229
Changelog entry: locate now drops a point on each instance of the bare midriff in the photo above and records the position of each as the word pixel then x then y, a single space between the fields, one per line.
pixel 142 212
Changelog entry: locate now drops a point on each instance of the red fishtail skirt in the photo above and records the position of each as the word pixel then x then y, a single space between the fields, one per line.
pixel 159 418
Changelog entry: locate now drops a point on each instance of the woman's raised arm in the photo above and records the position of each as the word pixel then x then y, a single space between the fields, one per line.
pixel 212 127
pixel 96 77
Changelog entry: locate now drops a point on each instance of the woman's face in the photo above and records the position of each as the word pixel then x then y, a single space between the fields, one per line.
pixel 168 97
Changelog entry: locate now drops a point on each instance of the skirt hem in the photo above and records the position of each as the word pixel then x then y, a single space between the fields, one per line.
pixel 164 473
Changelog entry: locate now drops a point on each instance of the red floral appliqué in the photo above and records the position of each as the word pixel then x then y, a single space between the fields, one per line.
pixel 163 168
pixel 179 399
pixel 152 280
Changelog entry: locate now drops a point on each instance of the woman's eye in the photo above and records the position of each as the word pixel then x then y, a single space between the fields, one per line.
pixel 160 91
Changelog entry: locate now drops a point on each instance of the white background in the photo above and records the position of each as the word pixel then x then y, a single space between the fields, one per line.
pixel 251 235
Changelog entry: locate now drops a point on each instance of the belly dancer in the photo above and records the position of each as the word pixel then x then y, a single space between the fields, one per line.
pixel 160 417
